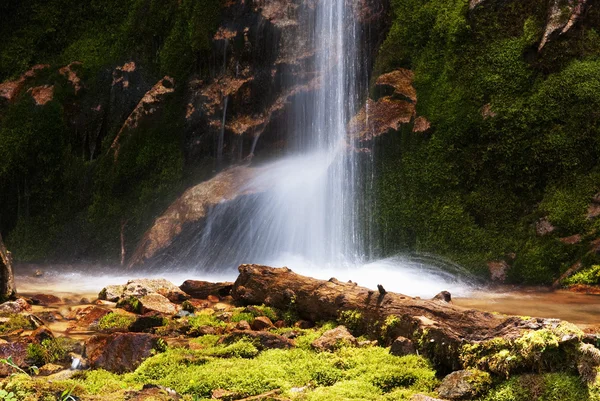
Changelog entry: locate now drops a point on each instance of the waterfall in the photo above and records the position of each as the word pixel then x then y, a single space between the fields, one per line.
pixel 309 214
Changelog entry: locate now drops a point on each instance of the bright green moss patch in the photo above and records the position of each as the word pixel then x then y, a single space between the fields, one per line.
pixel 547 387
pixel 590 276
pixel 115 322
pixel 202 320
pixel 15 322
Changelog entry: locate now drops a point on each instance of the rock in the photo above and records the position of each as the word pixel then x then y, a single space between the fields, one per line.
pixel 157 303
pixel 46 299
pixel 544 227
pixel 570 271
pixel 42 94
pixel 398 83
pixel 67 71
pixel 202 289
pixel 402 346
pixel 111 293
pixel 191 207
pixel 213 298
pixel 18 306
pixel 303 324
pixel 10 89
pixel 7 280
pixel 487 112
pixel 588 363
pixel 261 339
pixel 571 240
pixel 443 296
pixel 50 369
pixel 334 338
pixel 17 351
pixel 498 270
pixel 120 352
pixel 262 323
pixel 243 325
pixel 464 384
pixel 225 395
pixel 148 105
pixel 423 397
pixel 562 16
pixel 593 211
pixel 88 318
pixel 40 334
pixel 154 393
pixel 140 287
pixel 421 124
pixel 146 322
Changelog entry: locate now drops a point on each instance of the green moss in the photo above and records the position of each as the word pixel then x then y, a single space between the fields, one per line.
pixel 547 387
pixel 115 322
pixel 48 351
pixel 239 316
pixel 131 304
pixel 201 320
pixel 590 276
pixel 15 322
pixel 267 311
pixel 353 320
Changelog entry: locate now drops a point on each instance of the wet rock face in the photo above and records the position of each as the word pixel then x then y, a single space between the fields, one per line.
pixel 203 289
pixel 121 352
pixel 15 350
pixel 7 280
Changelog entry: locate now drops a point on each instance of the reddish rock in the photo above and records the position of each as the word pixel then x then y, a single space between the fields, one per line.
pixel 148 105
pixel 498 270
pixel 571 240
pixel 10 89
pixel 487 112
pixel 42 94
pixel 334 338
pixel 87 318
pixel 585 289
pixel 15 350
pixel 50 369
pixel 379 117
pixel 71 75
pixel 121 352
pixel 243 325
pixel 262 323
pixel 157 303
pixel 46 299
pixel 544 227
pixel 202 289
pixel 213 298
pixel 403 346
pixel 421 124
pixel 18 306
pixel 262 339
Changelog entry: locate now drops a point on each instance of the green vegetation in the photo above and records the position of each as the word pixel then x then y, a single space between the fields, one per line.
pixel 202 320
pixel 590 276
pixel 48 351
pixel 472 188
pixel 546 387
pixel 115 322
pixel 15 322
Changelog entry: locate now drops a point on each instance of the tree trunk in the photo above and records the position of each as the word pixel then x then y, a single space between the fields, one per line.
pixel 7 281
pixel 440 329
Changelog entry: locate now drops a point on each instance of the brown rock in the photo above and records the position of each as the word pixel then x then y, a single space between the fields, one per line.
pixel 443 296
pixel 157 303
pixel 18 306
pixel 121 352
pixel 544 227
pixel 40 334
pixel 50 369
pixel 571 240
pixel 88 318
pixel 487 112
pixel 243 325
pixel 462 384
pixel 262 323
pixel 225 395
pixel 42 94
pixel 262 339
pixel 213 298
pixel 10 89
pixel 593 211
pixel 111 293
pixel 71 75
pixel 154 393
pixel 334 338
pixel 423 397
pixel 18 352
pixel 421 124
pixel 562 16
pixel 400 82
pixel 403 346
pixel 379 117
pixel 46 299
pixel 140 287
pixel 202 289
pixel 498 270
pixel 304 324
pixel 148 105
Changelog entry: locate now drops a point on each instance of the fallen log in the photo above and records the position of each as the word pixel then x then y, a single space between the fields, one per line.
pixel 440 330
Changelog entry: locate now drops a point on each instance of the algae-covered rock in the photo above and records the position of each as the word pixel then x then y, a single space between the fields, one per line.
pixel 464 384
pixel 334 338
pixel 121 352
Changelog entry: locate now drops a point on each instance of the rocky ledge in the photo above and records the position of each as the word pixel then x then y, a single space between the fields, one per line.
pixel 276 335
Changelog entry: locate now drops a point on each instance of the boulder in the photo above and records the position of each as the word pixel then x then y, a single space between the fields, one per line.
pixel 262 323
pixel 140 287
pixel 157 303
pixel 88 318
pixel 46 299
pixel 17 351
pixel 334 338
pixel 403 346
pixel 120 352
pixel 443 296
pixel 7 280
pixel 243 325
pixel 261 339
pixel 111 293
pixel 464 384
pixel 498 270
pixel 50 369
pixel 18 306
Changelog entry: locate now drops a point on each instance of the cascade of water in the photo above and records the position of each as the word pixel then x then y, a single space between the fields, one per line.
pixel 310 211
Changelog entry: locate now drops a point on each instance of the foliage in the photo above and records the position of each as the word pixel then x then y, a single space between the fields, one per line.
pixel 473 186
pixel 547 387
pixel 48 351
pixel 15 321
pixel 115 322
pixel 590 276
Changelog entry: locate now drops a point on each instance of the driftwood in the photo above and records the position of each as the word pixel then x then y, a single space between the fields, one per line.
pixel 7 281
pixel 443 326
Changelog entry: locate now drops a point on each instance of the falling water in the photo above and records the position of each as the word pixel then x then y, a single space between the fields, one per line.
pixel 311 217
